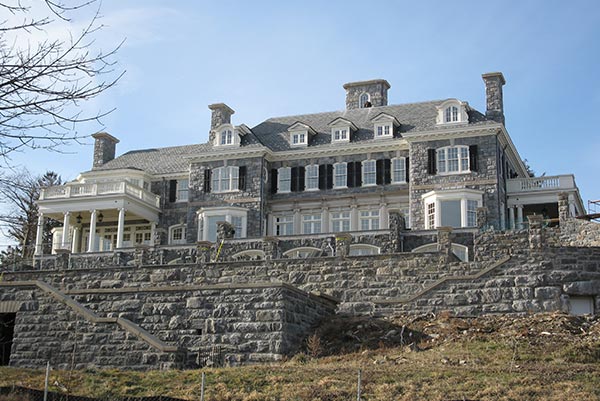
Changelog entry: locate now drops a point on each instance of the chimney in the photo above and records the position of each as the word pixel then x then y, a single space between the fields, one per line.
pixel 366 94
pixel 104 148
pixel 493 95
pixel 221 114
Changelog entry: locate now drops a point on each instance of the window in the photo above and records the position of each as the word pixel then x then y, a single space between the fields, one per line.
pixel 284 225
pixel 472 213
pixel 369 173
pixel 451 208
pixel 284 177
pixel 399 170
pixel 177 235
pixel 226 137
pixel 451 114
pixel 225 179
pixel 237 222
pixel 430 215
pixel 311 223
pixel 340 221
pixel 363 100
pixel 299 139
pixel 341 135
pixel 182 190
pixel 340 174
pixel 208 218
pixel 453 159
pixel 312 177
pixel 363 249
pixel 382 131
pixel 369 220
pixel 303 253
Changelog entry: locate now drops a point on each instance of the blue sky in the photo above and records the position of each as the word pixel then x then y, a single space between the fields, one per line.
pixel 268 59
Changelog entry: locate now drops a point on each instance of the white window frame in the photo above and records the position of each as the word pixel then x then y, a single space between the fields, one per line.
pixel 314 221
pixel 182 190
pixel 364 249
pixel 298 138
pixel 228 213
pixel 173 230
pixel 303 253
pixel 443 161
pixel 337 173
pixel 399 174
pixel 284 180
pixel 340 134
pixel 384 130
pixel 282 224
pixel 459 250
pixel 226 136
pixel 225 179
pixel 371 216
pixel 342 217
pixel 451 112
pixel 363 99
pixel 311 177
pixel 371 174
pixel 435 198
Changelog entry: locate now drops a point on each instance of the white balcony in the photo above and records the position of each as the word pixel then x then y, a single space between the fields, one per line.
pixel 557 183
pixel 99 190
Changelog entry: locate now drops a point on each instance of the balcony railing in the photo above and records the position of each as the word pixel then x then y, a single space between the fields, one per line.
pixel 557 182
pixel 71 191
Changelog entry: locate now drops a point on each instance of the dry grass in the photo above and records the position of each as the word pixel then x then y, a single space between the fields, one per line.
pixel 502 360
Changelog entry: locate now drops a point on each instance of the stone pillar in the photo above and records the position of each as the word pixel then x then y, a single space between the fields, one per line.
pixel 397 224
pixel 120 228
pixel 519 217
pixel 563 206
pixel 66 229
pixel 140 255
pixel 154 234
pixel 536 231
pixel 271 248
pixel 92 237
pixel 342 244
pixel 444 242
pixel 572 208
pixel 511 217
pixel 62 258
pixel 39 237
pixel 481 218
pixel 225 230
pixel 203 250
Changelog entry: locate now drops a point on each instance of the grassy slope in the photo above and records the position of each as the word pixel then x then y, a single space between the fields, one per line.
pixel 535 358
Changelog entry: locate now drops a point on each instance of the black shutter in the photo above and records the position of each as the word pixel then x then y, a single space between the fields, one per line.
pixel 207 180
pixel 379 172
pixel 323 176
pixel 172 190
pixel 294 183
pixel 406 168
pixel 350 174
pixel 242 178
pixel 357 174
pixel 329 176
pixel 301 175
pixel 473 157
pixel 431 167
pixel 273 180
pixel 387 171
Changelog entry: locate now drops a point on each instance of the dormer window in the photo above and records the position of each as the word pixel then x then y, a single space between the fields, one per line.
pixel 226 137
pixel 384 125
pixel 299 134
pixel 341 134
pixel 452 111
pixel 341 129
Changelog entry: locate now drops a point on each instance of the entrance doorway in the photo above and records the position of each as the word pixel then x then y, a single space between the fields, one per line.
pixel 7 330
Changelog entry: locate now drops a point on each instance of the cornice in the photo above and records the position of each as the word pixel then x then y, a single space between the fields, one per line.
pixel 382 145
pixel 448 133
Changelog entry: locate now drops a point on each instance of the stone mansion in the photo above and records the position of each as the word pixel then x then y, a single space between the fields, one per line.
pixel 434 162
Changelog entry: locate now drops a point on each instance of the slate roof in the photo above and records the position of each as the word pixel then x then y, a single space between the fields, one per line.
pixel 272 133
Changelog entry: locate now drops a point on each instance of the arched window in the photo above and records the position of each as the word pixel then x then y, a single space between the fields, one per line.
pixel 459 250
pixel 363 100
pixel 177 234
pixel 364 249
pixel 302 252
pixel 451 114
pixel 252 254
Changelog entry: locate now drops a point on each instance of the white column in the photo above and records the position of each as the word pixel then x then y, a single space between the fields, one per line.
pixel 383 216
pixel 270 225
pixel 76 231
pixel 297 222
pixel 121 228
pixel 354 218
pixel 325 220
pixel 520 217
pixel 92 236
pixel 39 238
pixel 66 229
pixel 511 217
pixel 152 232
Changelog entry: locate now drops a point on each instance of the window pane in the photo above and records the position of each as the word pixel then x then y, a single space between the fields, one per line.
pixel 340 175
pixel 450 213
pixel 211 222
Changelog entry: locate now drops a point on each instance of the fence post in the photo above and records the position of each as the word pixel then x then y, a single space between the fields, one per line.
pixel 202 388
pixel 359 384
pixel 46 381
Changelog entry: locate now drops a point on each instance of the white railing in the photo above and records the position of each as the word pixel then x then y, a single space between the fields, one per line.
pixel 100 189
pixel 557 182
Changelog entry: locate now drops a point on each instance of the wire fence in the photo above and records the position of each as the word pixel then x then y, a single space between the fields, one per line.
pixel 16 393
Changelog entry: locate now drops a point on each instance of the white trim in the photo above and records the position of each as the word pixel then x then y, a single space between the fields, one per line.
pixel 310 251
pixel 456 248
pixel 335 169
pixel 231 178
pixel 308 177
pixel 445 150
pixel 254 254
pixel 288 171
pixel 402 162
pixel 460 117
pixel 172 229
pixel 228 212
pixel 373 173
pixel 355 249
pixel 462 195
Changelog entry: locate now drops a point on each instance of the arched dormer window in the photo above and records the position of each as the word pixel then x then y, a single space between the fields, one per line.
pixel 228 136
pixel 364 100
pixel 452 111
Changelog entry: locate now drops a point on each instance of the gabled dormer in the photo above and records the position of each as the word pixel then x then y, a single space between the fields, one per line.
pixel 226 136
pixel 452 111
pixel 384 126
pixel 300 133
pixel 341 130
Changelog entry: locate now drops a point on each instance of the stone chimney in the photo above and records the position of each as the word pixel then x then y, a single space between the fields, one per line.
pixel 221 114
pixel 104 148
pixel 374 92
pixel 493 95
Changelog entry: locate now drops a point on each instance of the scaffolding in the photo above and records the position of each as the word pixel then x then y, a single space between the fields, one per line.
pixel 593 210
